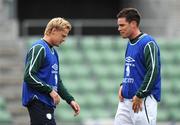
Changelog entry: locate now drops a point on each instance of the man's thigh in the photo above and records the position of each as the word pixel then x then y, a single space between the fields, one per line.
pixel 148 114
pixel 41 114
pixel 123 116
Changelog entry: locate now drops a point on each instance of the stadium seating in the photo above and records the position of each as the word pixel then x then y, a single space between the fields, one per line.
pixel 91 68
pixel 5 117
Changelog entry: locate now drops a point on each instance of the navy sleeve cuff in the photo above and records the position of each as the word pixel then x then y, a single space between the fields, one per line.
pixel 140 95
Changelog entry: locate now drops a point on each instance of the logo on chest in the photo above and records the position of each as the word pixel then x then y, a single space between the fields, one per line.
pixel 129 59
pixel 129 63
pixel 55 68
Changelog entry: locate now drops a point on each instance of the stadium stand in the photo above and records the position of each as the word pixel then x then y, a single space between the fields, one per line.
pixel 5 116
pixel 11 69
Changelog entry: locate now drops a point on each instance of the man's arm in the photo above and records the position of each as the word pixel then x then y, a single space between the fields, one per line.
pixel 151 58
pixel 34 61
pixel 63 92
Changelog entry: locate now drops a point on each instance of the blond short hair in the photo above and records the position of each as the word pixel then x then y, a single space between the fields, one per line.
pixel 59 23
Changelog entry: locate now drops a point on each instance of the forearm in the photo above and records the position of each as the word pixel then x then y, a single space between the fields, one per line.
pixel 35 83
pixel 63 92
pixel 147 84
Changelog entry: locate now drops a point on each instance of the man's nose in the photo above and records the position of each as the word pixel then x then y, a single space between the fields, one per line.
pixel 119 29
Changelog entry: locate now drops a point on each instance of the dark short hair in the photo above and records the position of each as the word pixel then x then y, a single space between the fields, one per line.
pixel 131 14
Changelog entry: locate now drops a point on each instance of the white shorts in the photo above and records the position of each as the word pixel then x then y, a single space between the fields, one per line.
pixel 126 116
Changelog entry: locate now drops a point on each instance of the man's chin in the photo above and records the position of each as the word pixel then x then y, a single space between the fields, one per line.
pixel 124 37
pixel 57 45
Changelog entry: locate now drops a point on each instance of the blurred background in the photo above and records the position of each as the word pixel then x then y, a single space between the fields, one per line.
pixel 91 59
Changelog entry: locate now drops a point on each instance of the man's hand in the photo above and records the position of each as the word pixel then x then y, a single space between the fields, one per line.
pixel 121 98
pixel 75 106
pixel 54 95
pixel 137 104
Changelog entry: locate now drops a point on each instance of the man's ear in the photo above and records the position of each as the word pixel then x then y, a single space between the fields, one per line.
pixel 134 23
pixel 53 29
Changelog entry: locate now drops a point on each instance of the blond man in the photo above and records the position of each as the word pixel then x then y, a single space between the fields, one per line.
pixel 42 85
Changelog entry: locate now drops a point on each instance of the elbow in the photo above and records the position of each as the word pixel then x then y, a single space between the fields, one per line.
pixel 26 78
pixel 156 72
